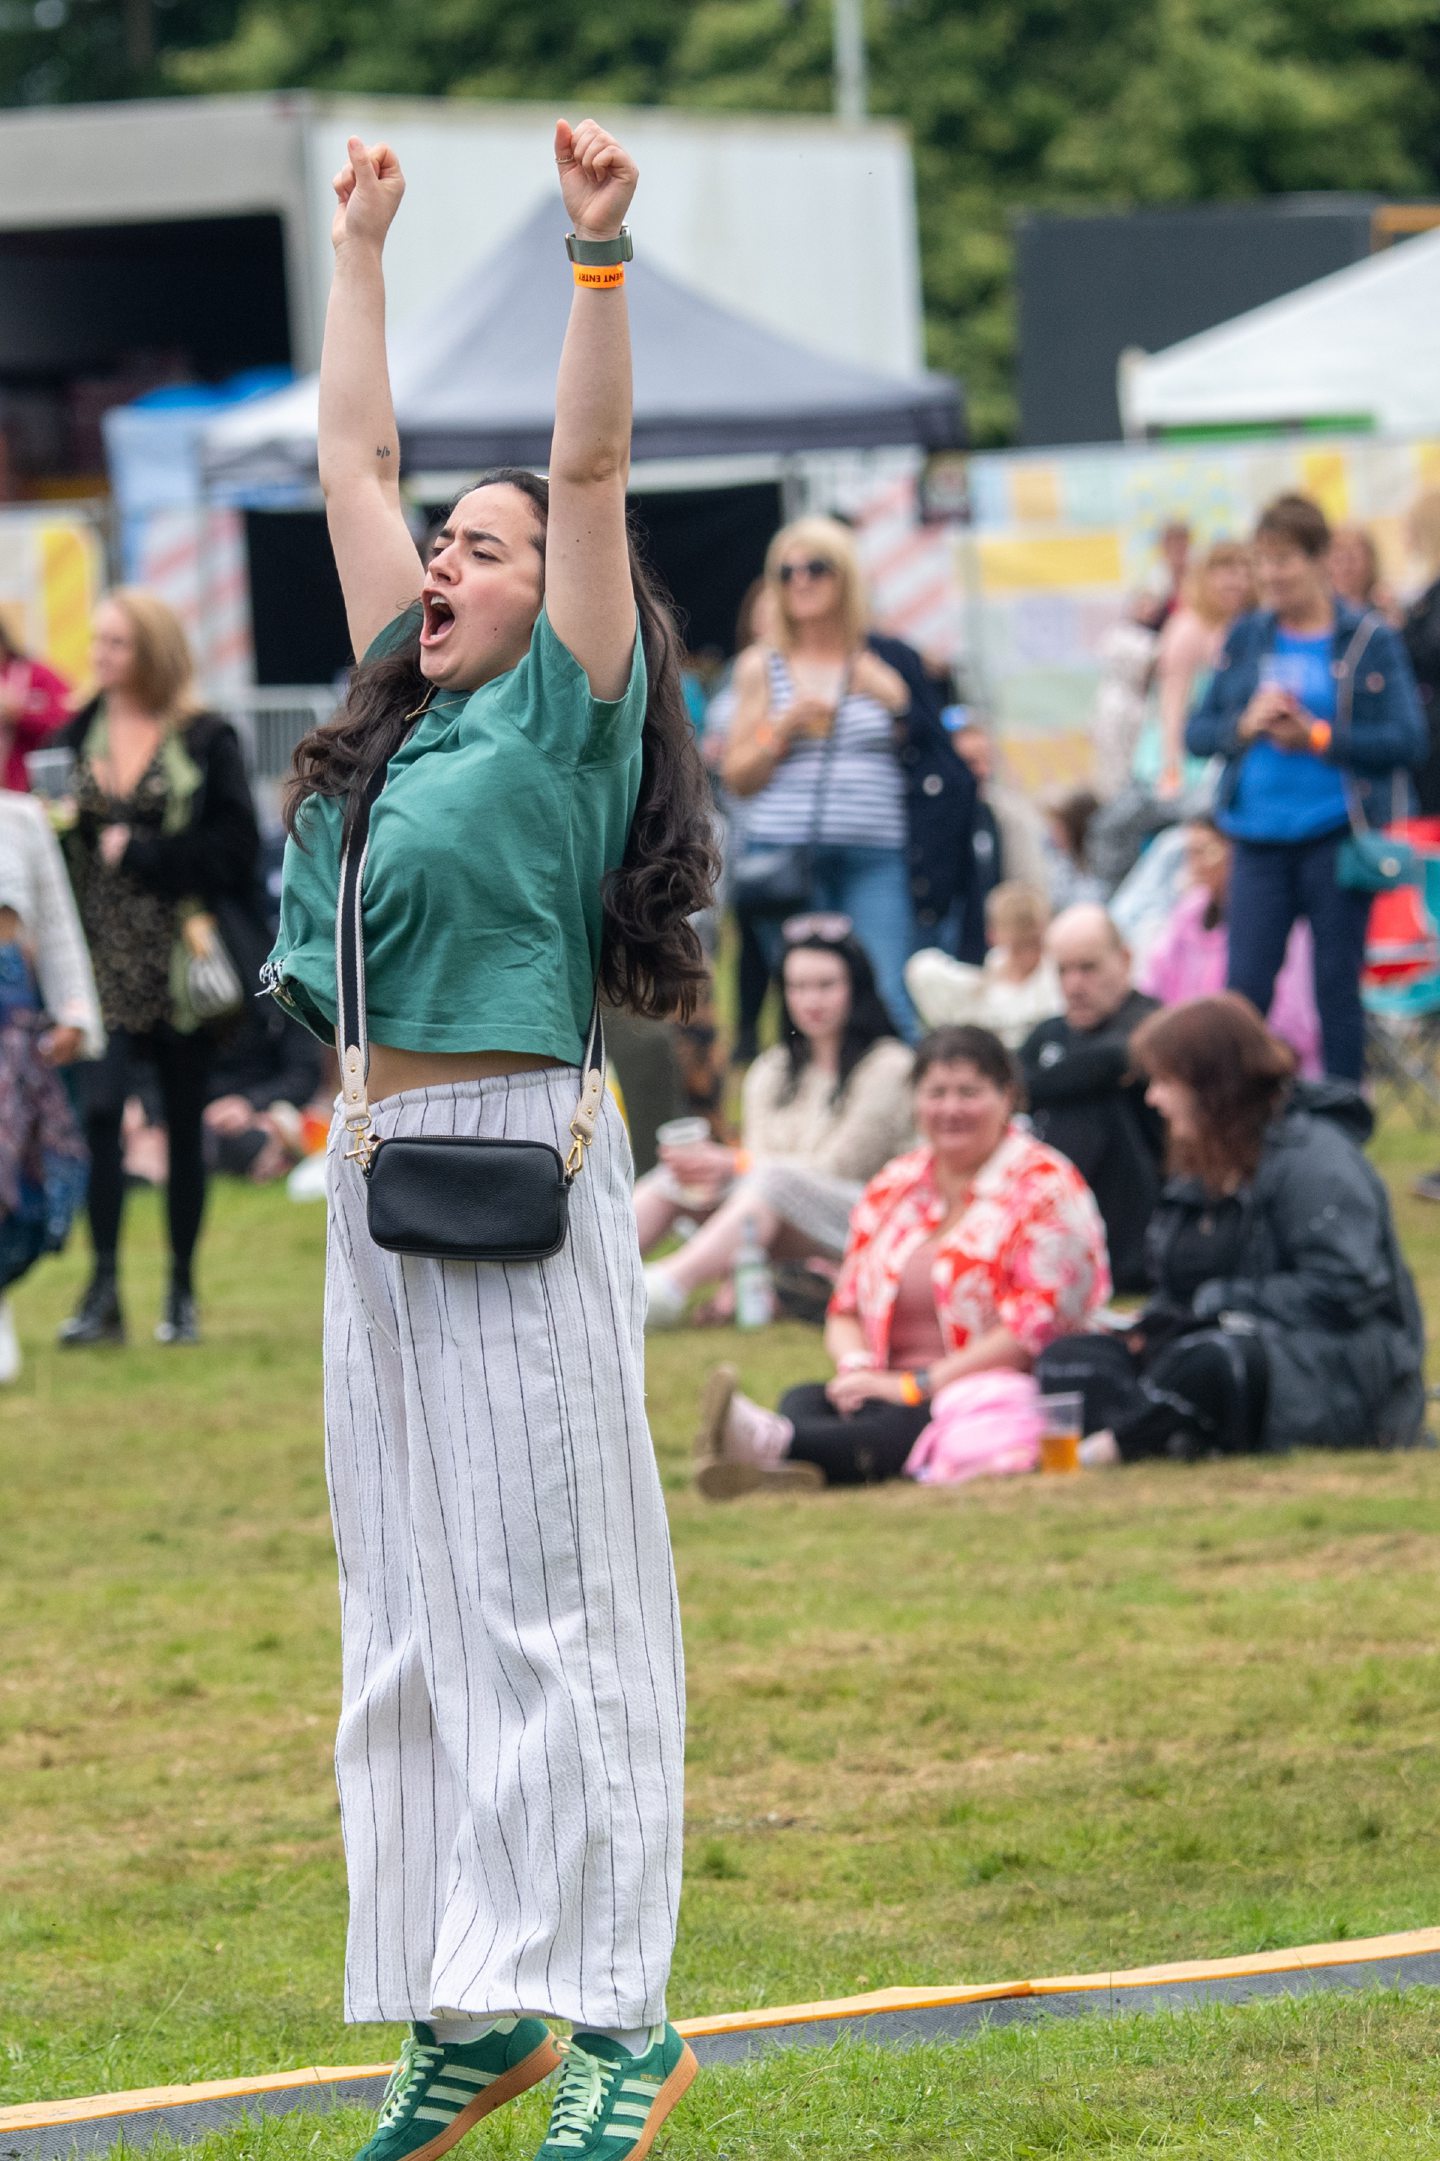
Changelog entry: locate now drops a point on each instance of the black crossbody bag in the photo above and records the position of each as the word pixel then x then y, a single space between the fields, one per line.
pixel 438 1195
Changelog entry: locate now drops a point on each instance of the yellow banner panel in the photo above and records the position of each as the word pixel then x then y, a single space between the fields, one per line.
pixel 69 581
pixel 1035 495
pixel 1325 474
pixel 1012 564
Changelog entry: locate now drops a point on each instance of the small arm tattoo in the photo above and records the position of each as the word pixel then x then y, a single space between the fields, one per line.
pixel 382 450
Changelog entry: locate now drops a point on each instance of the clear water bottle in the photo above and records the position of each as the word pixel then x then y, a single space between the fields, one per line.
pixel 754 1283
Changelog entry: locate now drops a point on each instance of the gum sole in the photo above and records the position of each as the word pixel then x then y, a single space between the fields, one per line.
pixel 724 1478
pixel 714 1404
pixel 517 2080
pixel 674 2086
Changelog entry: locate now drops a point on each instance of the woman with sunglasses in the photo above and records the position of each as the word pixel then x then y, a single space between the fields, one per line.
pixel 821 1111
pixel 815 751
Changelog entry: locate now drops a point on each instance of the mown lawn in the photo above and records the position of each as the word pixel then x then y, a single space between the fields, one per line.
pixel 1037 1728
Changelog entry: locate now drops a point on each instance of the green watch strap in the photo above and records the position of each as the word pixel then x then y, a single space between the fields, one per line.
pixel 598 254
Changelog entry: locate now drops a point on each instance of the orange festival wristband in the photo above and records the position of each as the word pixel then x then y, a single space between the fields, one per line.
pixel 1321 735
pixel 600 277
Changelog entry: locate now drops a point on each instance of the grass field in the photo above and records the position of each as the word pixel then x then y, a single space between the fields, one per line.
pixel 934 1736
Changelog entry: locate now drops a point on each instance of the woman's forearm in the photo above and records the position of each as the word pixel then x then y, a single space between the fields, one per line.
pixel 358 438
pixel 843 1335
pixel 593 391
pixel 995 1350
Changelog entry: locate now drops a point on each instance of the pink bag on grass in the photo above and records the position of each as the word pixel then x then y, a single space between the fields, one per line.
pixel 986 1425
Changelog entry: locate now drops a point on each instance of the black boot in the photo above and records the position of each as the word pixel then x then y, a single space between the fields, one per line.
pixel 179 1323
pixel 97 1318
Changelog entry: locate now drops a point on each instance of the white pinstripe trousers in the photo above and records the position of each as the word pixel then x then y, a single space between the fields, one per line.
pixel 510 1752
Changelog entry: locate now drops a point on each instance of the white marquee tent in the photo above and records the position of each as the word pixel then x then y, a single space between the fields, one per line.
pixel 1361 345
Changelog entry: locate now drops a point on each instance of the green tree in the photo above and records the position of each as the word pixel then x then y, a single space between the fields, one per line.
pixel 1012 104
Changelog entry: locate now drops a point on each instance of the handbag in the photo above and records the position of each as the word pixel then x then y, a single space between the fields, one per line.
pixel 1369 860
pixel 204 981
pixel 444 1196
pixel 778 877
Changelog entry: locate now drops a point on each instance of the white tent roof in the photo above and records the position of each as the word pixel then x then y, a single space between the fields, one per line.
pixel 1363 342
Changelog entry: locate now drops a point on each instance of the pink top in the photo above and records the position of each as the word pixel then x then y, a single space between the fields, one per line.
pixel 915 1338
pixel 1188 961
pixel 43 701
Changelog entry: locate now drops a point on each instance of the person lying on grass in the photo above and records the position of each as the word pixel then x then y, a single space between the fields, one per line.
pixel 968 1254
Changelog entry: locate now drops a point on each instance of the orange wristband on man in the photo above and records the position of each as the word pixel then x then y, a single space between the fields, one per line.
pixel 1321 737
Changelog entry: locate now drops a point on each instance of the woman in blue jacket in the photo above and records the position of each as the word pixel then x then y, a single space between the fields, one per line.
pixel 1313 705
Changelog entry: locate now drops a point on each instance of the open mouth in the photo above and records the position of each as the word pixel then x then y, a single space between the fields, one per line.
pixel 439 618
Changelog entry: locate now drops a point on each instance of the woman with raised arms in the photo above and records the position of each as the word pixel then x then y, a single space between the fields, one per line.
pixel 510 1744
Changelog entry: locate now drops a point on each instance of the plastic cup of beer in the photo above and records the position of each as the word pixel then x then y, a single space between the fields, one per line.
pixel 684 1133
pixel 51 773
pixel 1062 1423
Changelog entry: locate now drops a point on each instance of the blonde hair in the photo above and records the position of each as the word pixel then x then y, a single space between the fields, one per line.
pixel 827 538
pixel 162 675
pixel 1014 909
pixel 1424 528
pixel 1221 556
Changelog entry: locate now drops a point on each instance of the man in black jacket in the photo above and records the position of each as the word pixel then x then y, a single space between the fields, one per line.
pixel 1084 1099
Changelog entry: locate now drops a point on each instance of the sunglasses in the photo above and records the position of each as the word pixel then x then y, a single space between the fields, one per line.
pixel 832 928
pixel 816 567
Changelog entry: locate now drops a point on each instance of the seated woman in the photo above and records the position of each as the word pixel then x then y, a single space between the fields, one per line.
pixel 1015 990
pixel 820 1113
pixel 972 1252
pixel 1284 1315
pixel 1190 956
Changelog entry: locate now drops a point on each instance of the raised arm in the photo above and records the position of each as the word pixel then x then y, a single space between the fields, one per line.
pixel 379 564
pixel 588 594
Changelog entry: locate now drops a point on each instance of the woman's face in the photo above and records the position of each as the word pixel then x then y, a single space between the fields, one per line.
pixel 483 586
pixel 1229 588
pixel 817 991
pixel 807 595
pixel 1291 582
pixel 1350 566
pixel 112 647
pixel 961 1113
pixel 1177 1105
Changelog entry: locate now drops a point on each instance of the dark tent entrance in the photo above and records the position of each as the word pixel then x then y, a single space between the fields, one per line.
pixel 706 544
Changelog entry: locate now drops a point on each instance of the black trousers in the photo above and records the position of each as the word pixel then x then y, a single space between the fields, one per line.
pixel 871 1444
pixel 181 1064
pixel 1203 1392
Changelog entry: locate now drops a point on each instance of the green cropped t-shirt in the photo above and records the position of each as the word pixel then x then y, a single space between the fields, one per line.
pixel 501 815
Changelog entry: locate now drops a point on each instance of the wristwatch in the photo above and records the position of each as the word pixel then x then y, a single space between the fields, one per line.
pixel 599 254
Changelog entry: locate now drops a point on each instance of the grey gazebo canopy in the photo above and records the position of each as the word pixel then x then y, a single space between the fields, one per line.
pixel 474 379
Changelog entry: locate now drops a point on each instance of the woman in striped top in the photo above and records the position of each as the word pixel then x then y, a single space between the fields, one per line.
pixel 814 747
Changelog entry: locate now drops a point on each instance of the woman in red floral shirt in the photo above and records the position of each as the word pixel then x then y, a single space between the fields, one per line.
pixel 967 1254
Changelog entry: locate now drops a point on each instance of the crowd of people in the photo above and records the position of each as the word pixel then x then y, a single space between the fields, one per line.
pixel 1004 1027
pixel 1020 1071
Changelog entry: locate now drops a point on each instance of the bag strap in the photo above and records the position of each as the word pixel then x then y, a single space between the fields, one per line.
pixel 1365 630
pixel 350 1017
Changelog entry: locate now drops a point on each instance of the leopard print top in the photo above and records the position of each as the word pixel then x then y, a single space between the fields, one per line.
pixel 131 929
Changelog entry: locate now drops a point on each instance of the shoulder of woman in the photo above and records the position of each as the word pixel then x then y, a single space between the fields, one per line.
pixel 887 1060
pixel 767 1072
pixel 752 668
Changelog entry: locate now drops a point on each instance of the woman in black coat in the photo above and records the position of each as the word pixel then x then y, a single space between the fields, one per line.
pixel 1284 1315
pixel 163 850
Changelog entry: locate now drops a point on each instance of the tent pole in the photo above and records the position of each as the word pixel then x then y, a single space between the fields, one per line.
pixel 851 86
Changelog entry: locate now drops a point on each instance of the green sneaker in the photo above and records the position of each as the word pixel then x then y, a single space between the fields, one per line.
pixel 440 2089
pixel 610 2104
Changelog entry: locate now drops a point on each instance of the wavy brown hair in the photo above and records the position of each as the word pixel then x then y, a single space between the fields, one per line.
pixel 651 959
pixel 1239 1074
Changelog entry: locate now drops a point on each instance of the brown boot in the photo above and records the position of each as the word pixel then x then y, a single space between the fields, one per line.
pixel 739 1447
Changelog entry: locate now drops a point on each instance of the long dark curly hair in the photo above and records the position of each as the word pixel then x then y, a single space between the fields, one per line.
pixel 651 960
